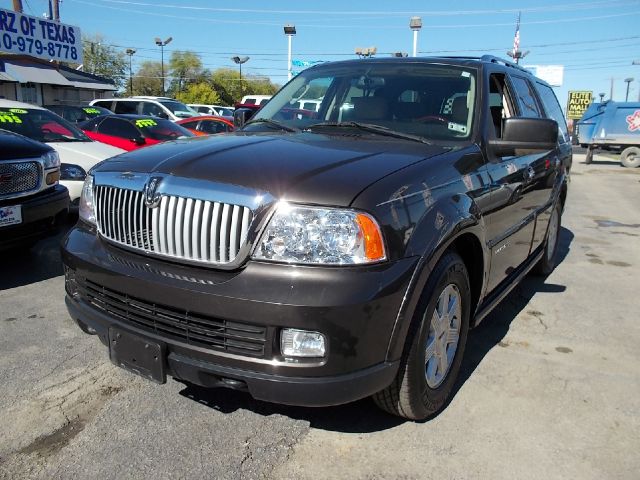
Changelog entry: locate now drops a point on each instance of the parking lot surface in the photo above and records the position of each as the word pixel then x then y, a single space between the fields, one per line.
pixel 550 387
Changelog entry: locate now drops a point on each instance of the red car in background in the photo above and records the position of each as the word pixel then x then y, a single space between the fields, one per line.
pixel 207 125
pixel 131 132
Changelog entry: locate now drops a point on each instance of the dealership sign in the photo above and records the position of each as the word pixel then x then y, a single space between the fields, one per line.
pixel 578 102
pixel 552 74
pixel 38 37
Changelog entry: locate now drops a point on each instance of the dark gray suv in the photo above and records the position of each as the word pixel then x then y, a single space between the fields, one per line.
pixel 319 257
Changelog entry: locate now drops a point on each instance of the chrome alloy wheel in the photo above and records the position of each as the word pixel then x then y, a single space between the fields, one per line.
pixel 444 334
pixel 552 236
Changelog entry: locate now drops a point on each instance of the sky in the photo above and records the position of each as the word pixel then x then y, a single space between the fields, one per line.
pixel 596 41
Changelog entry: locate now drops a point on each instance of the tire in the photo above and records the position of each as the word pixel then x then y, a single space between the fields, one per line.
pixel 630 157
pixel 418 391
pixel 548 261
pixel 589 157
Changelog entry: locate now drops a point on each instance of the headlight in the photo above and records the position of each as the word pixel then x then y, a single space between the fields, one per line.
pixel 329 236
pixel 86 210
pixel 51 160
pixel 69 171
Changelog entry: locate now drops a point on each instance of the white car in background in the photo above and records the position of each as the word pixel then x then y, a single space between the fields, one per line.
pixel 218 110
pixel 161 107
pixel 77 152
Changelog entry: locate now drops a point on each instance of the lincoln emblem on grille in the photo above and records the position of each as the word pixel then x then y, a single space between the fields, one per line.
pixel 151 195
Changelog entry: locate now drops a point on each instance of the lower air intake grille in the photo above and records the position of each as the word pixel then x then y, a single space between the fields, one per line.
pixel 194 329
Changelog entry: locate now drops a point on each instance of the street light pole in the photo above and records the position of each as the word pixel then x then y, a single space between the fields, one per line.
pixel 130 52
pixel 239 61
pixel 289 31
pixel 162 44
pixel 415 24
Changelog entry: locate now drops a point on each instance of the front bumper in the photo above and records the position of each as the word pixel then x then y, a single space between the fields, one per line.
pixel 41 213
pixel 354 307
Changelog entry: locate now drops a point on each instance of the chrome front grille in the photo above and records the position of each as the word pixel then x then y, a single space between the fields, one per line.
pixel 19 177
pixel 181 228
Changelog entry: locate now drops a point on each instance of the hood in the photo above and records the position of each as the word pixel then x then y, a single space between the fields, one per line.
pixel 85 154
pixel 14 146
pixel 299 167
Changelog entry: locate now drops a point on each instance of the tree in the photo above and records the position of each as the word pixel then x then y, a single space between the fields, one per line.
pixel 148 79
pixel 226 82
pixel 185 68
pixel 201 92
pixel 104 60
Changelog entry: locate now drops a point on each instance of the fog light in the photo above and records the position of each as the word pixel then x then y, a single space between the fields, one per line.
pixel 301 343
pixel 70 282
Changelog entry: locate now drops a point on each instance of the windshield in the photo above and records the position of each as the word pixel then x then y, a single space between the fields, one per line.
pixel 159 129
pixel 40 125
pixel 179 109
pixel 435 102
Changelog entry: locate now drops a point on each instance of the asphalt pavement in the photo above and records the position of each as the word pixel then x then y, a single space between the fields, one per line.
pixel 550 386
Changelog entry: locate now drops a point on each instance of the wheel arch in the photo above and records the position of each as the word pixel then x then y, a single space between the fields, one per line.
pixel 467 243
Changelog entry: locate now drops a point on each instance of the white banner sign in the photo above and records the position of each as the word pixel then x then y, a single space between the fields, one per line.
pixel 552 74
pixel 38 37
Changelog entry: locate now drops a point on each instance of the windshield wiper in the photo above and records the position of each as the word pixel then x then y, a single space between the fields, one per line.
pixel 273 123
pixel 369 127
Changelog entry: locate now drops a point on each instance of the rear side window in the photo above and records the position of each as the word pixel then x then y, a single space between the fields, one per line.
pixel 553 109
pixel 118 128
pixel 126 107
pixel 526 97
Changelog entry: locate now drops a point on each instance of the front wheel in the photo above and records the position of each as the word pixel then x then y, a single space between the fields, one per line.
pixel 630 157
pixel 434 346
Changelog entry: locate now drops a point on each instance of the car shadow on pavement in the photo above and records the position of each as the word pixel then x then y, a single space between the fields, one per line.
pixel 496 325
pixel 363 416
pixel 356 417
pixel 40 262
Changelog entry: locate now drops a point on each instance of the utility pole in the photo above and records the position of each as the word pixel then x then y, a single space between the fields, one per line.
pixel 56 10
pixel 611 91
pixel 17 5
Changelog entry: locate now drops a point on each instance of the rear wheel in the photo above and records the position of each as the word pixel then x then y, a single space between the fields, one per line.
pixel 630 157
pixel 548 261
pixel 434 346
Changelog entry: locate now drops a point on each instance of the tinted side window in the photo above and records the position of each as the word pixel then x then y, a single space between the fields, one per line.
pixel 126 107
pixel 91 125
pixel 103 104
pixel 149 108
pixel 213 127
pixel 526 97
pixel 118 128
pixel 553 109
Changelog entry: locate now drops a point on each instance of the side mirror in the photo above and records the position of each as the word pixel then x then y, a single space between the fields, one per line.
pixel 138 141
pixel 242 116
pixel 532 134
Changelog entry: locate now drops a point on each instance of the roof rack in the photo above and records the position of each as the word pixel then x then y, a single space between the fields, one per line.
pixel 494 59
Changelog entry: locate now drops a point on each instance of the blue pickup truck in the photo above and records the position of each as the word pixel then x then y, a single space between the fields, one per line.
pixel 613 126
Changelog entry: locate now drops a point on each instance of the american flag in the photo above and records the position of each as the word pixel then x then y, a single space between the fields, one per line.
pixel 516 38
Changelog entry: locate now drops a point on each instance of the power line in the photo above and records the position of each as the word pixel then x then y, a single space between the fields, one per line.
pixel 350 26
pixel 361 13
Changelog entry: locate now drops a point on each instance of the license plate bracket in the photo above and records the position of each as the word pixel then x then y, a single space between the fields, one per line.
pixel 11 215
pixel 137 354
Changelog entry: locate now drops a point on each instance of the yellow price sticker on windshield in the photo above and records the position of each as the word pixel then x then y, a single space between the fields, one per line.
pixel 17 110
pixel 146 123
pixel 9 117
pixel 91 110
